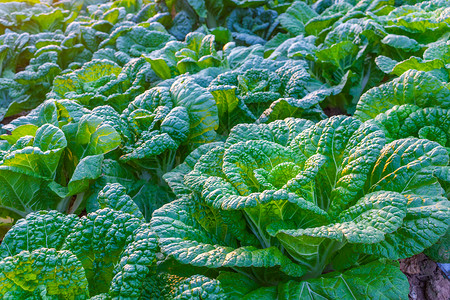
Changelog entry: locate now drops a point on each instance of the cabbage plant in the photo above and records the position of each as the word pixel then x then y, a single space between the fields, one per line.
pixel 101 82
pixel 51 156
pixel 414 105
pixel 264 90
pixel 300 209
pixel 197 52
pixel 108 254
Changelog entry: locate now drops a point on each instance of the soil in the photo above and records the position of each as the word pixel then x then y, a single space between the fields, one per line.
pixel 9 119
pixel 5 225
pixel 333 111
pixel 427 281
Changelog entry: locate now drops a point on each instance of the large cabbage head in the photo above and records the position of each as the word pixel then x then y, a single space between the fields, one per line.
pixel 295 199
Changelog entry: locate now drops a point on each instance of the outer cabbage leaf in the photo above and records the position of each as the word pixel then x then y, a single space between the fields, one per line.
pixel 201 108
pixel 390 66
pixel 28 167
pixel 439 251
pixel 381 279
pixel 115 196
pixel 250 26
pixel 165 118
pixel 16 51
pixel 344 53
pixel 439 50
pixel 56 112
pixel 31 274
pixel 166 286
pixel 416 234
pixel 432 123
pixel 98 246
pixel 102 82
pixel 197 52
pixel 118 11
pixel 257 89
pixel 295 18
pixel 34 62
pixel 205 249
pixel 135 40
pixel 237 55
pixel 33 17
pixel 307 107
pixel 214 14
pixel 37 152
pixel 43 229
pixel 175 177
pixel 401 42
pixel 139 189
pixel 424 21
pixel 89 140
pixel 132 269
pixel 95 138
pixel 425 206
pixel 327 18
pixel 413 87
pixel 294 48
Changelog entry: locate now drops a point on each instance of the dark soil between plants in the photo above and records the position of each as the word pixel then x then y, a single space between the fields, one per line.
pixel 9 119
pixel 427 281
pixel 333 111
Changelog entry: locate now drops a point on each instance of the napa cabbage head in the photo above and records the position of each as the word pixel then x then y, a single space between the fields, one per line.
pixel 295 199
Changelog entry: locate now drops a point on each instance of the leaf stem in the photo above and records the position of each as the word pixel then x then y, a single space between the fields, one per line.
pixel 16 211
pixel 76 203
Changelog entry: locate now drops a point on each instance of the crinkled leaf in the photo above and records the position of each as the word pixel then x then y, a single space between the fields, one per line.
pixel 43 229
pixel 380 280
pixel 201 108
pixel 114 196
pixel 413 87
pixel 97 241
pixel 59 272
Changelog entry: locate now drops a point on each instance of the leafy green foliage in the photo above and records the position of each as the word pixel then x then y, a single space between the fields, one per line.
pixel 28 274
pixel 265 90
pixel 102 82
pixel 93 249
pixel 275 199
pixel 248 23
pixel 136 39
pixel 293 199
pixel 38 152
pixel 33 17
pixel 251 26
pixel 109 253
pixel 378 279
pixel 413 87
pixel 162 119
pixel 197 52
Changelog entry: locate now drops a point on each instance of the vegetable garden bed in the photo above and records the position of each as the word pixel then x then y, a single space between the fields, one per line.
pixel 231 149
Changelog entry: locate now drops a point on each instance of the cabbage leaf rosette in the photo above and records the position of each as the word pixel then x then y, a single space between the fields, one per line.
pixel 293 209
pixel 107 254
pixel 416 104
